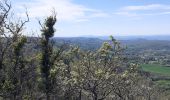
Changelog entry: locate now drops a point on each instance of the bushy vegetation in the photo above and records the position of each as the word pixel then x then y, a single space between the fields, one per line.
pixel 35 69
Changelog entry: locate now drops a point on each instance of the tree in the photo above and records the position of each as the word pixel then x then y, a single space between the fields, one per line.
pixel 47 51
pixel 90 74
pixel 12 43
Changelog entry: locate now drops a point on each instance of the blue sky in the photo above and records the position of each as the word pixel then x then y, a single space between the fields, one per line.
pixel 100 17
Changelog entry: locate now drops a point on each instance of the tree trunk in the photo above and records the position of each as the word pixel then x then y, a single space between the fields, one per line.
pixel 79 95
pixel 95 96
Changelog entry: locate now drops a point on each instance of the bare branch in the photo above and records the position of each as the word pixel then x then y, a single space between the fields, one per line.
pixel 6 9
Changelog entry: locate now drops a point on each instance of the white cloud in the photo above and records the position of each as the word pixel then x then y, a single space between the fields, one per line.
pixel 144 10
pixel 125 13
pixel 66 10
pixel 146 7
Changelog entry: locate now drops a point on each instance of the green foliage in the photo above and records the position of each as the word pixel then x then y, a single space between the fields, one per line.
pixel 7 86
pixel 46 57
pixel 19 45
pixel 48 30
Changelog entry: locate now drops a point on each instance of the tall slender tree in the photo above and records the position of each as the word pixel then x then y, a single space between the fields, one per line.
pixel 47 51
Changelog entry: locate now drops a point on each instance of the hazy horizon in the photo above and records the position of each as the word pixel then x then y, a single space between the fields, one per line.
pixel 162 35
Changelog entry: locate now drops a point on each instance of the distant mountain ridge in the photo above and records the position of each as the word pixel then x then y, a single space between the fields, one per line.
pixel 151 37
pixel 93 43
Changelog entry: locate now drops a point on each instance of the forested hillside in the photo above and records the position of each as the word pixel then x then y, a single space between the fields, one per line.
pixel 137 44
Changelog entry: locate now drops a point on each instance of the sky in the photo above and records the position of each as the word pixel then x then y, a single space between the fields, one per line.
pixel 98 17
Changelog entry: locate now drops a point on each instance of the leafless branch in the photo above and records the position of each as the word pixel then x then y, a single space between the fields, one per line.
pixel 5 8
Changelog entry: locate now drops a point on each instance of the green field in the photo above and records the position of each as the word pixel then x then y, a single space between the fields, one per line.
pixel 159 70
pixel 156 69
